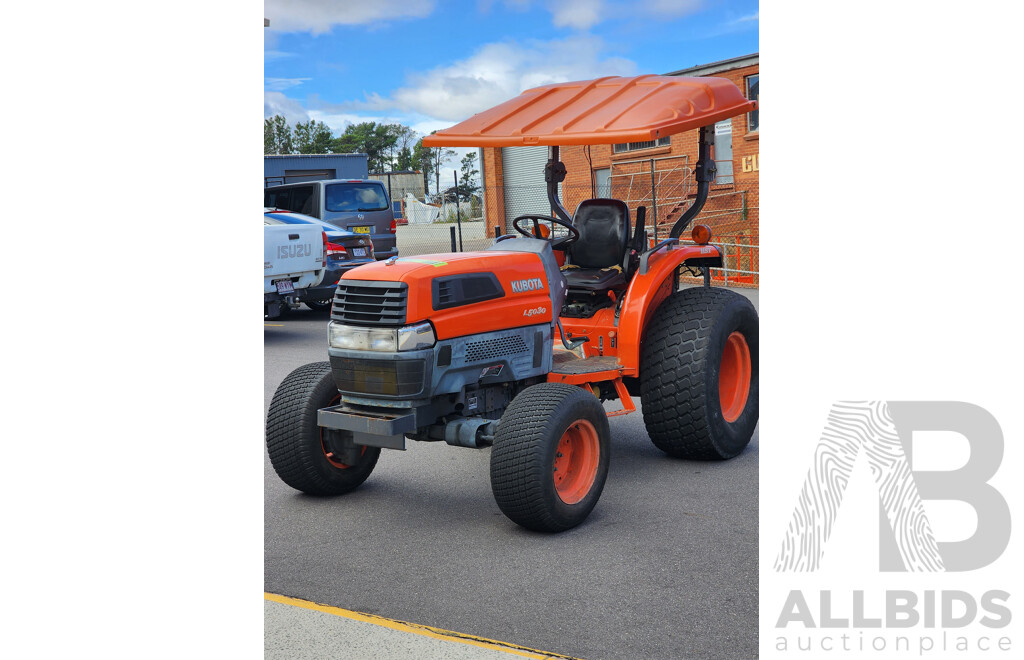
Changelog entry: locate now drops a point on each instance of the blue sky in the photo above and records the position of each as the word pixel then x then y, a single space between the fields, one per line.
pixel 429 64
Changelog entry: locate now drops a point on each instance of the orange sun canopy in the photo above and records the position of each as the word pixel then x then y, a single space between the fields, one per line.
pixel 602 111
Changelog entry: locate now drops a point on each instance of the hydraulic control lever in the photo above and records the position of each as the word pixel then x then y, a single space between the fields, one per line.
pixel 569 345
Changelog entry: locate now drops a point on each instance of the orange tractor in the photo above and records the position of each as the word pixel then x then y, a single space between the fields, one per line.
pixel 518 345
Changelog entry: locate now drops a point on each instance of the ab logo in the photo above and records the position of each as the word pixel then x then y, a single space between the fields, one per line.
pixel 882 431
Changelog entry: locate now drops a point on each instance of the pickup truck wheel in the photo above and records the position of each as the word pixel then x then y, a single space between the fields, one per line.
pixel 550 457
pixel 698 374
pixel 305 456
pixel 319 305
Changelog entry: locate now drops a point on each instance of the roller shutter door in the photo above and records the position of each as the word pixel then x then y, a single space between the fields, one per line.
pixel 525 191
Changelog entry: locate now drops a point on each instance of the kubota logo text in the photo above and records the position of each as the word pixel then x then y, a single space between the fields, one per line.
pixel 532 284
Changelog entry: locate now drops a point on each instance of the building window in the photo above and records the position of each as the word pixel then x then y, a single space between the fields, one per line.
pixel 723 151
pixel 603 182
pixel 752 123
pixel 637 146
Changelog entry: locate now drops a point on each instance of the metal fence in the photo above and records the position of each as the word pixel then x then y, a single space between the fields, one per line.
pixel 437 224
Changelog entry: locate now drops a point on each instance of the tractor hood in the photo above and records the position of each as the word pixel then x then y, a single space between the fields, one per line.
pixel 461 293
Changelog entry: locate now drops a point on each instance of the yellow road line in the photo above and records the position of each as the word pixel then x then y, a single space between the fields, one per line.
pixel 273 325
pixel 417 629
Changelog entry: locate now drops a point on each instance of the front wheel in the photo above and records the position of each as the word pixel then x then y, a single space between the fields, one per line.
pixel 550 457
pixel 307 457
pixel 698 374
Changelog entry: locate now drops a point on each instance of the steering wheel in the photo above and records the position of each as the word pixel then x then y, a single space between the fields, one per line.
pixel 556 244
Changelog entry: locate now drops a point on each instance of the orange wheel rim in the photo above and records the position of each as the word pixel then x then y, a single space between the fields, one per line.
pixel 331 458
pixel 576 460
pixel 734 377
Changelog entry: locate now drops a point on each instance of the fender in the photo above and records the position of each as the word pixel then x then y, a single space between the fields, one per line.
pixel 653 283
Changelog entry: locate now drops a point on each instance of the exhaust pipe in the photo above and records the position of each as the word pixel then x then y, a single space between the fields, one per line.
pixel 474 433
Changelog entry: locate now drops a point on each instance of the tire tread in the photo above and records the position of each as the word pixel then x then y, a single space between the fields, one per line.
pixel 673 382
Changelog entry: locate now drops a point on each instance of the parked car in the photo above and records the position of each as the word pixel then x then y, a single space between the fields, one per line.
pixel 358 205
pixel 345 251
pixel 294 260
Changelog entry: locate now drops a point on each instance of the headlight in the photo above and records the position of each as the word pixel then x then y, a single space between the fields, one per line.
pixel 388 340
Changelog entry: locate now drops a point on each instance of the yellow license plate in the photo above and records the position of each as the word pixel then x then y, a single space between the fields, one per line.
pixel 362 230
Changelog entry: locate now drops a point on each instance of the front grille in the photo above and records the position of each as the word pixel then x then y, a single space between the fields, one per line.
pixel 363 302
pixel 493 348
pixel 384 377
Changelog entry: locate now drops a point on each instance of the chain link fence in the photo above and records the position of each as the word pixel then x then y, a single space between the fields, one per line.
pixel 436 223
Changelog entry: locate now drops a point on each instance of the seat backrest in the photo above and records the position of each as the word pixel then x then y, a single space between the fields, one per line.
pixel 603 225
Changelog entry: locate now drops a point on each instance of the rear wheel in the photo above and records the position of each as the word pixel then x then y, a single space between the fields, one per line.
pixel 550 457
pixel 698 374
pixel 306 457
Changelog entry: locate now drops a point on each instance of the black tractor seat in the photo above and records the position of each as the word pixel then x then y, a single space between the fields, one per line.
pixel 592 279
pixel 596 260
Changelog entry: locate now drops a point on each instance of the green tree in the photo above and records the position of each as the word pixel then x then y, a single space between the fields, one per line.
pixel 404 138
pixel 277 135
pixel 405 160
pixel 268 137
pixel 421 161
pixel 368 137
pixel 468 175
pixel 431 160
pixel 312 137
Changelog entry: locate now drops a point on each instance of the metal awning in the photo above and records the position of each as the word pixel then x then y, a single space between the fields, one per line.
pixel 602 111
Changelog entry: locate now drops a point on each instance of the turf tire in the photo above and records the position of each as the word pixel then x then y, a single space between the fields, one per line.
pixel 294 440
pixel 679 374
pixel 524 455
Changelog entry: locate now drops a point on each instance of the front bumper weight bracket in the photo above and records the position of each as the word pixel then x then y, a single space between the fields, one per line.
pixel 385 429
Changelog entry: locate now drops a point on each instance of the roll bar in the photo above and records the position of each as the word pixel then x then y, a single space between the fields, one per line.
pixel 554 174
pixel 704 172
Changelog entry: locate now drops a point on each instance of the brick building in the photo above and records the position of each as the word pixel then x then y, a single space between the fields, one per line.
pixel 656 174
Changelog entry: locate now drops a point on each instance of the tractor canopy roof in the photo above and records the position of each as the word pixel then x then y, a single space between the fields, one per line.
pixel 602 111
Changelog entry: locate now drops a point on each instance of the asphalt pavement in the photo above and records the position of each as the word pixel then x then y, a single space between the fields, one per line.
pixel 664 567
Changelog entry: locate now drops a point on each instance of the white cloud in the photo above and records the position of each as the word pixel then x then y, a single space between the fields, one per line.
pixel 582 14
pixel 272 55
pixel 281 84
pixel 337 121
pixel 276 103
pixel 671 8
pixel 585 14
pixel 496 73
pixel 429 125
pixel 319 16
pixel 732 26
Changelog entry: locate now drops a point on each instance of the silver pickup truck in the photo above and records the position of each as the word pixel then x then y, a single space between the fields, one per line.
pixel 294 258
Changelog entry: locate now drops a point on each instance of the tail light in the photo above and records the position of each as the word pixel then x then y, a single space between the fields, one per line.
pixel 394 226
pixel 336 251
pixel 323 253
